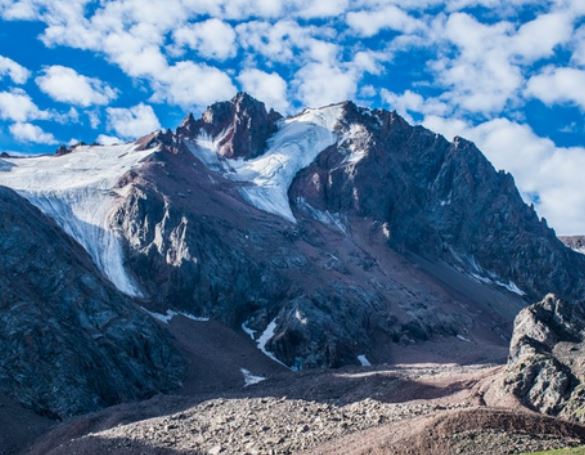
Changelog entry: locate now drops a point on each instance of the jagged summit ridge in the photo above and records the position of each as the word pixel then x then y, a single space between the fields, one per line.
pixel 240 127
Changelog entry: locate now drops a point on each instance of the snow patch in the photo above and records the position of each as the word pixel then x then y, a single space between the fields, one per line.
pixel 170 314
pixel 250 379
pixel 300 317
pixel 266 179
pixel 355 142
pixel 512 287
pixel 250 332
pixel 386 230
pixel 265 337
pixel 462 338
pixel 326 217
pixel 363 360
pixel 78 191
pixel 487 277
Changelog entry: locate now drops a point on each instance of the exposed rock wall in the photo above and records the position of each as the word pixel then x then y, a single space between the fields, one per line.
pixel 70 342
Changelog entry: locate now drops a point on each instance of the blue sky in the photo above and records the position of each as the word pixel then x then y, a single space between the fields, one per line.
pixel 507 74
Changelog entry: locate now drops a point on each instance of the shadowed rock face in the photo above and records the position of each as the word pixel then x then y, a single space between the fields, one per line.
pixel 546 368
pixel 70 342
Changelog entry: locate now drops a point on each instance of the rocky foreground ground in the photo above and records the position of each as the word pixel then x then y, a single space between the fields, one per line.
pixel 403 410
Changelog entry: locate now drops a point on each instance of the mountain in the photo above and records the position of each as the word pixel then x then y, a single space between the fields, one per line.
pixel 338 236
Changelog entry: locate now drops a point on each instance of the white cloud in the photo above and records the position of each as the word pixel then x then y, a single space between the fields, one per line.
pixel 104 139
pixel 480 77
pixel 321 8
pixel 188 84
pixel 578 56
pixel 16 105
pixel 558 85
pixel 132 122
pixel 538 38
pixel 27 132
pixel 537 164
pixel 212 38
pixel 409 102
pixel 370 23
pixel 9 68
pixel 286 40
pixel 68 86
pixel 267 87
pixel 318 84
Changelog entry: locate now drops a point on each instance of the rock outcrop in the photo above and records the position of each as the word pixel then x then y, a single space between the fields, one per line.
pixel 241 127
pixel 546 368
pixel 70 342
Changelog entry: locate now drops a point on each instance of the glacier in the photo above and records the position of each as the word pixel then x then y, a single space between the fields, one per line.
pixel 265 180
pixel 78 191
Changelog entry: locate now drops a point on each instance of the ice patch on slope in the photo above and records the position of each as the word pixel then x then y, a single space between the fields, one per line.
pixel 363 360
pixel 251 379
pixel 267 178
pixel 170 314
pixel 263 339
pixel 77 191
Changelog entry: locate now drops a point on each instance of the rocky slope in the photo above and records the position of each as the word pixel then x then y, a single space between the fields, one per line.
pixel 70 342
pixel 398 410
pixel 546 369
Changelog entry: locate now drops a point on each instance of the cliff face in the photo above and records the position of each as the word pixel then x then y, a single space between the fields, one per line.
pixel 71 343
pixel 546 368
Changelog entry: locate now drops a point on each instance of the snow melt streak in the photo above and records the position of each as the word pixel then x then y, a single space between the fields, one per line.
pixel 76 190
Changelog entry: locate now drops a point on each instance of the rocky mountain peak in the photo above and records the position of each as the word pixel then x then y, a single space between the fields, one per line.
pixel 240 127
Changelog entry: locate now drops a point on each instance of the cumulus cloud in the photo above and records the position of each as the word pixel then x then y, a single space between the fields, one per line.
pixel 212 38
pixel 9 68
pixel 370 23
pixel 132 122
pixel 104 139
pixel 411 102
pixel 189 84
pixel 558 85
pixel 319 84
pixel 68 86
pixel 27 132
pixel 539 37
pixel 286 40
pixel 271 88
pixel 16 105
